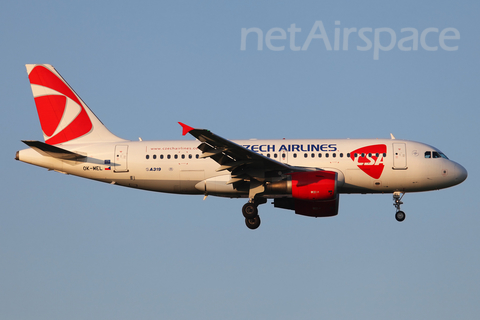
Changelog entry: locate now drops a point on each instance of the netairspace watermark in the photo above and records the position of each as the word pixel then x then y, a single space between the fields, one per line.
pixel 384 39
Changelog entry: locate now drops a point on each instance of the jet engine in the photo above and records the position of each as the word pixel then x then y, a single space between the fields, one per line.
pixel 307 185
pixel 309 193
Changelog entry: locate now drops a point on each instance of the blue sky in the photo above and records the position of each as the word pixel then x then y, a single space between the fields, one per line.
pixel 77 249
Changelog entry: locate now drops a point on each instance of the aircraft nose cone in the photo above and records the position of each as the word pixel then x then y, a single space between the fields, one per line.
pixel 461 173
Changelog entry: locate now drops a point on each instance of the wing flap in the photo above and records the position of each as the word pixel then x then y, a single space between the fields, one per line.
pixel 232 165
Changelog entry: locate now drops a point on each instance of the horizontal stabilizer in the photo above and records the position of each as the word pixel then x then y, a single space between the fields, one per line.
pixel 52 151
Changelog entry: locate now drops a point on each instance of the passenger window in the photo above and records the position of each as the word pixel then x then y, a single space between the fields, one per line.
pixel 341 155
pixel 305 155
pixel 147 156
pixel 189 156
pixel 334 155
pixel 161 156
pixel 168 156
pixel 294 155
pixel 275 155
pixel 326 155
pixel 197 156
pixel 176 156
pixel 384 155
pixel 319 155
pixel 313 155
pixel 348 155
pixel 428 154
pixel 183 156
pixel 154 156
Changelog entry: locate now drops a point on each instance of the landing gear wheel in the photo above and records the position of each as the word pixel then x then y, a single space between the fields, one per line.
pixel 400 216
pixel 250 211
pixel 253 223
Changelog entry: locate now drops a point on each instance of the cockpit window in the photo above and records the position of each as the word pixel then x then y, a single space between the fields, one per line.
pixel 435 154
pixel 439 155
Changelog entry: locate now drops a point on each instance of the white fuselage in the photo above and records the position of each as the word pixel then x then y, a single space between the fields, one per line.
pixel 363 165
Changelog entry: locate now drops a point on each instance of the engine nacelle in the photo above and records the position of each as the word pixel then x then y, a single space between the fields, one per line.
pixel 308 185
pixel 314 185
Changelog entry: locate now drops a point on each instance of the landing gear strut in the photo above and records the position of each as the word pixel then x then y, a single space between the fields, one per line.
pixel 397 199
pixel 250 212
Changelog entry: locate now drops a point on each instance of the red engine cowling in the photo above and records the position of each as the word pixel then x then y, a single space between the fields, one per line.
pixel 314 185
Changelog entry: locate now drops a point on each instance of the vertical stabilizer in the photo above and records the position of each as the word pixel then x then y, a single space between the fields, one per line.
pixel 64 117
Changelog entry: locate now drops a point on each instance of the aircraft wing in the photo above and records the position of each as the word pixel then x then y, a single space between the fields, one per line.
pixel 240 161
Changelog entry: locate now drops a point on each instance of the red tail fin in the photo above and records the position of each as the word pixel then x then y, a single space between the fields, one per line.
pixel 63 115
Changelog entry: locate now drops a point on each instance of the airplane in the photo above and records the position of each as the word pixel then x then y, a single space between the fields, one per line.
pixel 306 176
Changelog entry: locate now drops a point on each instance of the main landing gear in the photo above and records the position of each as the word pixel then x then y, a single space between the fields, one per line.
pixel 397 199
pixel 250 212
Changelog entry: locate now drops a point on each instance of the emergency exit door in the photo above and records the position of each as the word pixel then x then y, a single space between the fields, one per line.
pixel 121 159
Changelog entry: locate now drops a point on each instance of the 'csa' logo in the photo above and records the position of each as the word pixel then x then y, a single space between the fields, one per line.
pixel 370 159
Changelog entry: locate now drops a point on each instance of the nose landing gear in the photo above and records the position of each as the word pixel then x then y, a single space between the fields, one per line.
pixel 397 199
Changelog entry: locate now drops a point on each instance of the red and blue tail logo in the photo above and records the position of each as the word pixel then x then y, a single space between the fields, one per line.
pixel 62 115
pixel 370 159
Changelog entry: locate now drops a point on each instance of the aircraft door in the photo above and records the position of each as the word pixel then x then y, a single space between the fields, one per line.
pixel 121 158
pixel 399 156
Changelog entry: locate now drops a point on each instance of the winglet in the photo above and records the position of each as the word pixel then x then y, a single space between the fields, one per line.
pixel 186 129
